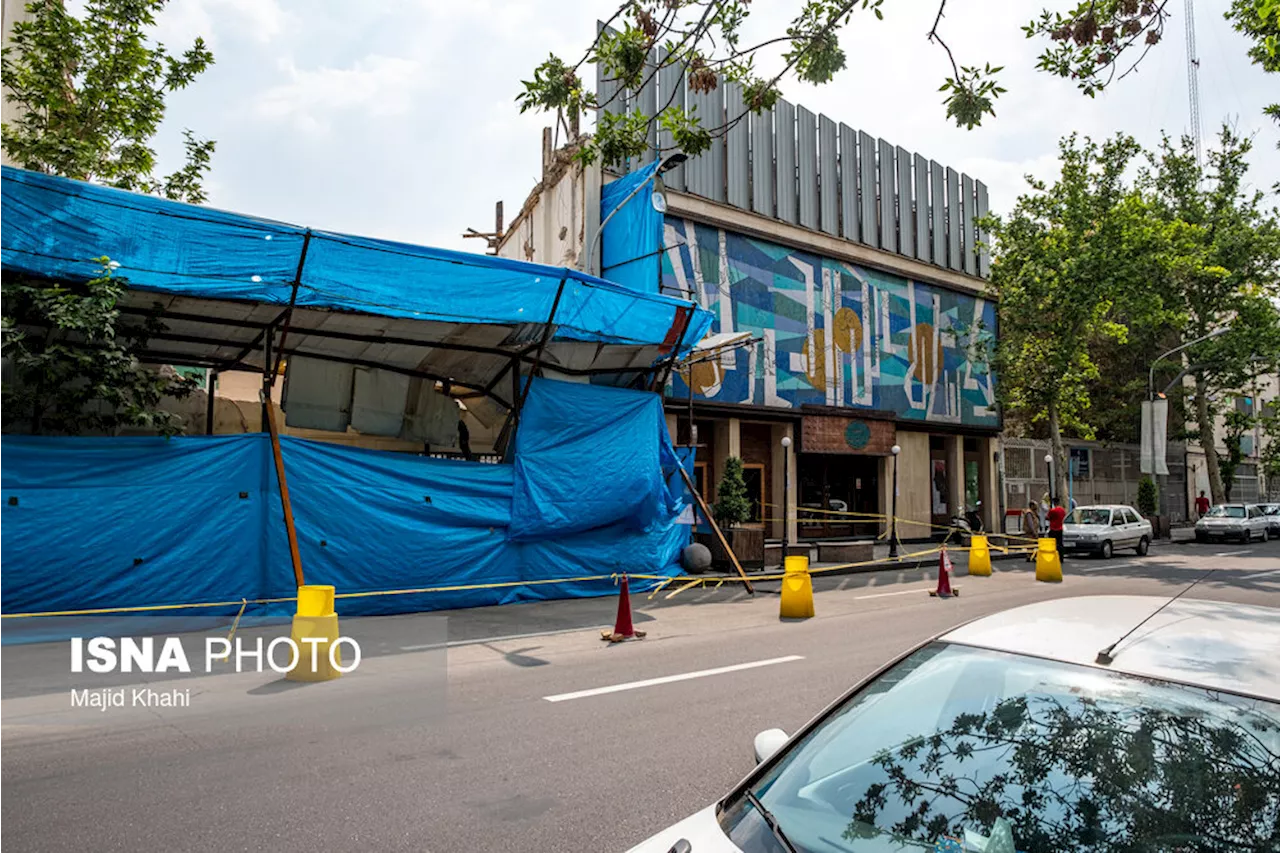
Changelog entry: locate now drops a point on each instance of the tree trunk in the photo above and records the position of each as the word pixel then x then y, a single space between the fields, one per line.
pixel 1208 441
pixel 1057 488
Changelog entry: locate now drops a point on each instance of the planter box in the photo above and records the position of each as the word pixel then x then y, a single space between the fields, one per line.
pixel 773 553
pixel 747 544
pixel 845 552
pixel 1159 526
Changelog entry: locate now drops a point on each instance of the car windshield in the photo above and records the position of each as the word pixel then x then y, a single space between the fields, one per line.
pixel 1090 515
pixel 963 749
pixel 1221 511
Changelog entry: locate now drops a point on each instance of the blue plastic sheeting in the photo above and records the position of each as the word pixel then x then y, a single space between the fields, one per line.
pixel 630 244
pixel 579 464
pixel 59 228
pixel 130 522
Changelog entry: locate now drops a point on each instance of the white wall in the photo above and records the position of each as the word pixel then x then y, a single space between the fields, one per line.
pixel 13 11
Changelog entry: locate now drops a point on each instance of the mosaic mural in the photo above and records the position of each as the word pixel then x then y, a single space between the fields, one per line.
pixel 830 332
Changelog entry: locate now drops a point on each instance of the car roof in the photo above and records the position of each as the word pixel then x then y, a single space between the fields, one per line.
pixel 1213 644
pixel 1104 506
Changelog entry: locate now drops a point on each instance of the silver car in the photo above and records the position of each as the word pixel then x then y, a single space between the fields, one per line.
pixel 1243 522
pixel 1053 726
pixel 1103 529
pixel 1272 512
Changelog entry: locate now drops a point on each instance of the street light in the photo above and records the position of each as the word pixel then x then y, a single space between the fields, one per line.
pixel 893 504
pixel 1048 461
pixel 659 201
pixel 1151 398
pixel 786 493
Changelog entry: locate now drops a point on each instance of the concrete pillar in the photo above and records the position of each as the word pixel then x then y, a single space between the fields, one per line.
pixel 886 493
pixel 728 443
pixel 989 483
pixel 953 446
pixel 776 487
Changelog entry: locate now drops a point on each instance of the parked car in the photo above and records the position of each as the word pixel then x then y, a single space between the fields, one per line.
pixel 1272 512
pixel 1244 522
pixel 1102 529
pixel 1008 734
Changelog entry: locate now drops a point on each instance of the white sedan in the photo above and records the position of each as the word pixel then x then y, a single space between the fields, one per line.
pixel 1102 529
pixel 1244 522
pixel 1050 727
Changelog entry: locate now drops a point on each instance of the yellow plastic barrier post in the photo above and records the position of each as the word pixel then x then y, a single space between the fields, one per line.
pixel 797 589
pixel 979 556
pixel 1048 563
pixel 315 620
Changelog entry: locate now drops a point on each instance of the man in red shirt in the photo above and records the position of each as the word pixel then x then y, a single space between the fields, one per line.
pixel 1202 505
pixel 1056 517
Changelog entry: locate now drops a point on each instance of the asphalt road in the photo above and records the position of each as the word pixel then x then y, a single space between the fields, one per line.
pixel 399 755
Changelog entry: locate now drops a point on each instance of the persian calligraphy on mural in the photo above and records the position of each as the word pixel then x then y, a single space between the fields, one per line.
pixel 832 333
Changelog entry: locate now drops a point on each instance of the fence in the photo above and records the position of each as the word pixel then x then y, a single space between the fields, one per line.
pixel 1100 475
pixel 808 170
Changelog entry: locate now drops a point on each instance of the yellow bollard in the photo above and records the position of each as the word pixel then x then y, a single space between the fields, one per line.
pixel 315 619
pixel 1048 563
pixel 797 589
pixel 979 556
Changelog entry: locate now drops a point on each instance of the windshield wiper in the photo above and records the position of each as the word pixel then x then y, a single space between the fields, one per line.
pixel 771 822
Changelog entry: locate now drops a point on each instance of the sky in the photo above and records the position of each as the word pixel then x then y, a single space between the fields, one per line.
pixel 397 118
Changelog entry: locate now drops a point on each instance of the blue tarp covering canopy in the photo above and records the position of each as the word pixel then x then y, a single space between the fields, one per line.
pixel 108 523
pixel 224 279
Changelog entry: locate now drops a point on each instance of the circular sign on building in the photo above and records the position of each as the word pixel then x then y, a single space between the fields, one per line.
pixel 857 434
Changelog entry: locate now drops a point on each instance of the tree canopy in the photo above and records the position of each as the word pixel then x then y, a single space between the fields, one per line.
pixel 1094 43
pixel 90 88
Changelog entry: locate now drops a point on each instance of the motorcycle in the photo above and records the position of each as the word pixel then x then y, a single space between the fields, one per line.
pixel 967 523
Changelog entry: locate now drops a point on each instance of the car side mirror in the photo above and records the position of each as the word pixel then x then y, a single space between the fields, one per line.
pixel 768 742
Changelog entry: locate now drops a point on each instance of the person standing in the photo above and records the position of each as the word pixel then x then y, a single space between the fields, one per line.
pixel 1057 517
pixel 1031 528
pixel 1202 505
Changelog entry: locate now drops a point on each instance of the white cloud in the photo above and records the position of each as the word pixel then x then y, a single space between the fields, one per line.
pixel 415 100
pixel 379 86
pixel 258 21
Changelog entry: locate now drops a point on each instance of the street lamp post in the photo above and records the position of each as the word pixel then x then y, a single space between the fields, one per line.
pixel 1151 399
pixel 786 494
pixel 669 162
pixel 1053 485
pixel 893 504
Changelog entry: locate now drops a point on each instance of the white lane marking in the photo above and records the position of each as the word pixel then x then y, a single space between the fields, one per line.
pixel 668 679
pixel 481 640
pixel 887 594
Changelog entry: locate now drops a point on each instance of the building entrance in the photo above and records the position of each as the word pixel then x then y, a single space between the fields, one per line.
pixel 830 484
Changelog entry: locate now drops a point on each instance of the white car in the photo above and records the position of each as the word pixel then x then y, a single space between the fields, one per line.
pixel 1103 529
pixel 1244 522
pixel 1051 727
pixel 1272 512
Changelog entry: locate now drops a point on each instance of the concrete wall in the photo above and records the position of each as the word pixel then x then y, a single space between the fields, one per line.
pixel 915 498
pixel 13 11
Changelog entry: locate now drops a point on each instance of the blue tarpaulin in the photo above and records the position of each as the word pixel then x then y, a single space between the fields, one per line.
pixel 629 247
pixel 130 522
pixel 60 228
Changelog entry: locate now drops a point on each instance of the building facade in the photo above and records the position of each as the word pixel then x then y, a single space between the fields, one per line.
pixel 848 275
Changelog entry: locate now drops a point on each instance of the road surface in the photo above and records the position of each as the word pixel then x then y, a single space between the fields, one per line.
pixel 538 737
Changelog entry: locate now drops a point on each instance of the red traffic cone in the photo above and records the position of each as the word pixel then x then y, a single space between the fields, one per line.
pixel 622 627
pixel 944 590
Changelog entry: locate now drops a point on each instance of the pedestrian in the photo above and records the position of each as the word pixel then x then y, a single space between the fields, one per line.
pixel 1202 505
pixel 1031 528
pixel 1057 515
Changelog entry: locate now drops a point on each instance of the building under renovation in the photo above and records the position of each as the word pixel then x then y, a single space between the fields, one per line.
pixel 847 278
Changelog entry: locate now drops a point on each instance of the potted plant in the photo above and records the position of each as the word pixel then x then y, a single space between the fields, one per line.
pixel 732 509
pixel 1147 506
